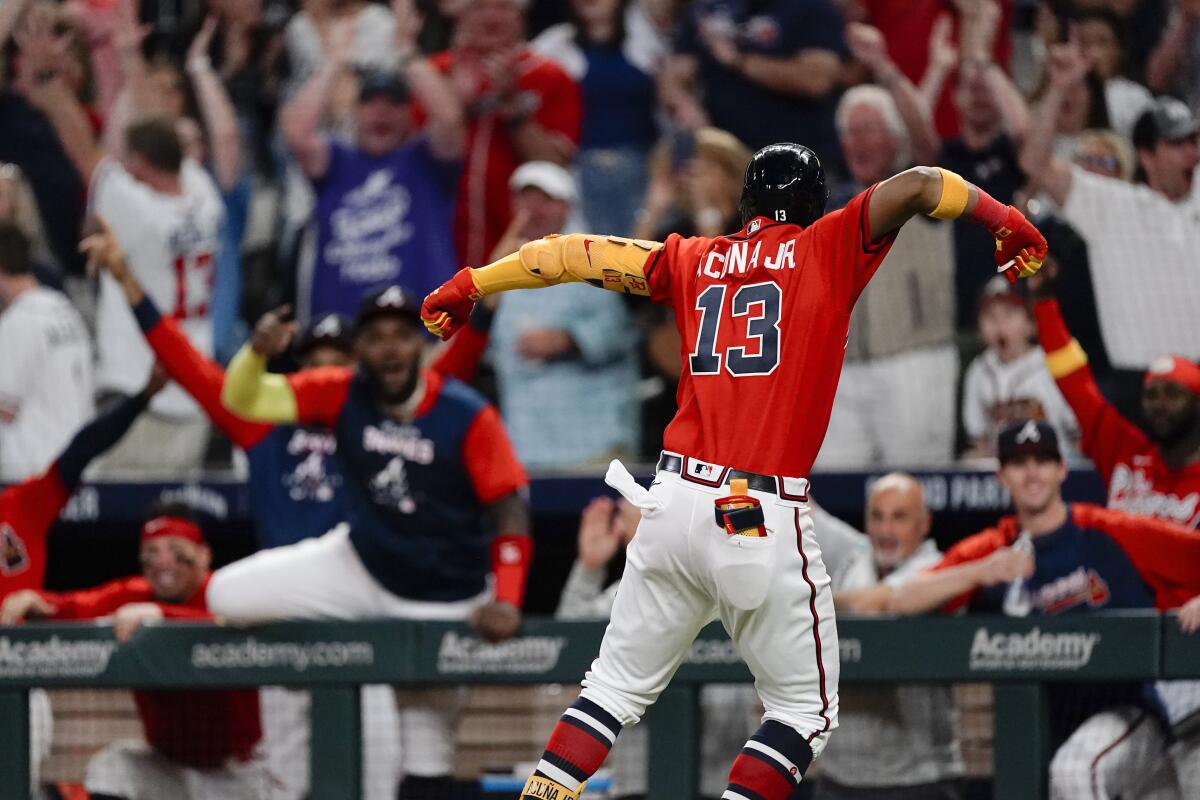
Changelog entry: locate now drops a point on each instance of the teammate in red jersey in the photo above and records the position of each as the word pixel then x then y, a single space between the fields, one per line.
pixel 763 315
pixel 198 743
pixel 28 509
pixel 1156 475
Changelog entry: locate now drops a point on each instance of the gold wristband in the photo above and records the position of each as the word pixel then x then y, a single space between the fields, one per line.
pixel 1065 360
pixel 953 201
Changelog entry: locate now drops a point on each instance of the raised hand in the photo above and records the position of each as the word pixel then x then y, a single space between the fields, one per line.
pixel 599 538
pixel 1065 65
pixel 274 332
pixel 447 308
pixel 1020 247
pixel 867 45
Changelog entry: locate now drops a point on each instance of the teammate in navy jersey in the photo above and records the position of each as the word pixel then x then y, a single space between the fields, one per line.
pixel 424 461
pixel 1052 557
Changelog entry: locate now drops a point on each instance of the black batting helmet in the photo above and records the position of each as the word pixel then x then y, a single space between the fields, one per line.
pixel 784 183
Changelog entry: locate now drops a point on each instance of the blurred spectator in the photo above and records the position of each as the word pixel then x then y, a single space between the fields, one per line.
pixel 1174 65
pixel 893 742
pixel 729 712
pixel 614 53
pixel 49 47
pixel 1147 309
pixel 1053 558
pixel 18 206
pixel 695 183
pixel 1158 474
pixel 918 33
pixel 566 359
pixel 1099 33
pixel 895 401
pixel 384 202
pixel 765 72
pixel 520 107
pixel 45 364
pixel 197 744
pixel 371 47
pixel 1105 153
pixel 1009 381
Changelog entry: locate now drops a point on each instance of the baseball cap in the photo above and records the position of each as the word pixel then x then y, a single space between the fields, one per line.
pixel 1166 119
pixel 547 176
pixel 1176 369
pixel 386 84
pixel 1027 437
pixel 389 300
pixel 332 330
pixel 999 290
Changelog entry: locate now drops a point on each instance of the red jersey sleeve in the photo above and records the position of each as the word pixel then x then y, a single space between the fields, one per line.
pixel 1166 555
pixel 560 109
pixel 320 393
pixel 490 459
pixel 973 548
pixel 658 268
pixel 1105 436
pixel 202 379
pixel 27 511
pixel 844 239
pixel 459 358
pixel 100 601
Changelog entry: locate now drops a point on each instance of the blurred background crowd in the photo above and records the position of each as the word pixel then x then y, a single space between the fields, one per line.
pixel 268 151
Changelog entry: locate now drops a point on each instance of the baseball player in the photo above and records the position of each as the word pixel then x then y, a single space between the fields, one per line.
pixel 1057 558
pixel 424 460
pixel 199 744
pixel 763 315
pixel 297 493
pixel 28 509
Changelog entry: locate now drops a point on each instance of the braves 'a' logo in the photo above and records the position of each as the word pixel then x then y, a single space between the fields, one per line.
pixel 14 556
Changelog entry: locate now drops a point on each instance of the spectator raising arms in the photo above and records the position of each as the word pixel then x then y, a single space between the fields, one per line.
pixel 384 202
pixel 520 107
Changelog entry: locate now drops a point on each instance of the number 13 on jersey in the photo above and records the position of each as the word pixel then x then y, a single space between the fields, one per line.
pixel 760 304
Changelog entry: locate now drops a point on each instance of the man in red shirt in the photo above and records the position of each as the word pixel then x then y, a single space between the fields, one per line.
pixel 520 107
pixel 1156 475
pixel 198 744
pixel 763 316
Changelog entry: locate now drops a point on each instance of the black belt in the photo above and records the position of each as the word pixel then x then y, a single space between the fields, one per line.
pixel 755 481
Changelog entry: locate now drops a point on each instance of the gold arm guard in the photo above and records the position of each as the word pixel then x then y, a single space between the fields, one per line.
pixel 608 262
pixel 1065 360
pixel 953 201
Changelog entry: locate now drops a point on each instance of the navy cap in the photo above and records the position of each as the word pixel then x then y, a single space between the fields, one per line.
pixel 383 84
pixel 328 330
pixel 391 300
pixel 1028 437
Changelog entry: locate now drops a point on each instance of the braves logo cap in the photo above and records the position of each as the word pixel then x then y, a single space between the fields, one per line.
pixel 1027 437
pixel 330 329
pixel 390 300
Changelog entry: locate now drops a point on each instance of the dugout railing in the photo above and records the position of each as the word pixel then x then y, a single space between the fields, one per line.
pixel 1018 656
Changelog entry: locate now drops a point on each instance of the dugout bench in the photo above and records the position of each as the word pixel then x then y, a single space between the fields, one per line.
pixel 334 659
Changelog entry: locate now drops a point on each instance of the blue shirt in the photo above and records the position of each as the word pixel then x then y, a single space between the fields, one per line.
pixel 575 409
pixel 296 488
pixel 779 29
pixel 381 220
pixel 619 101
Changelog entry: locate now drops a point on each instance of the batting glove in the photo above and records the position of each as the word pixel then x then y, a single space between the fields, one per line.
pixel 1020 247
pixel 448 307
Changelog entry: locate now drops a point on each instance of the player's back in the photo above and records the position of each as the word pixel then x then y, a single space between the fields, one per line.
pixel 763 315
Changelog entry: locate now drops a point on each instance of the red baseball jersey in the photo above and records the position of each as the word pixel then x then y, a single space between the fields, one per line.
pixel 763 315
pixel 27 511
pixel 1136 477
pixel 197 728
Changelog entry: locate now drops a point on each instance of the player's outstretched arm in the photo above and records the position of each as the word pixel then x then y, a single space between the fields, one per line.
pixel 607 262
pixel 250 391
pixel 933 590
pixel 940 193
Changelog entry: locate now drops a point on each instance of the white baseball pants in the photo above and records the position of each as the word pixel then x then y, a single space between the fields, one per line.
pixel 671 588
pixel 134 770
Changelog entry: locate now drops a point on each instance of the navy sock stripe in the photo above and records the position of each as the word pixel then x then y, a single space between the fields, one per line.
pixel 588 729
pixel 597 713
pixel 750 752
pixel 574 770
pixel 749 794
pixel 786 740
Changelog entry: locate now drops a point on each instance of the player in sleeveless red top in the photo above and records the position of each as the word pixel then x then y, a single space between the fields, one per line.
pixel 763 316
